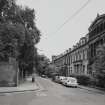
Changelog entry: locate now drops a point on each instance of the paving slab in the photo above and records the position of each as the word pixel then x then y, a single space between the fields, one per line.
pixel 28 85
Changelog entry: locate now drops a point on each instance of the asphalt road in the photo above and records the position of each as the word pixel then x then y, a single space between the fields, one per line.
pixel 51 93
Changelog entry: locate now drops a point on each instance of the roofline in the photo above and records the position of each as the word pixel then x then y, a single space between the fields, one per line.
pixel 96 19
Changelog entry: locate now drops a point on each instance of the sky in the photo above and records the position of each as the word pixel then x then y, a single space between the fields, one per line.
pixel 52 14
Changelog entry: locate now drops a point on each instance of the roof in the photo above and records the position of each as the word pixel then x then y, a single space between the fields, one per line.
pixel 97 20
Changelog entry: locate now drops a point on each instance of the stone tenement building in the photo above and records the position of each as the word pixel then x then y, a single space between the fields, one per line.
pixel 78 59
pixel 75 60
pixel 96 37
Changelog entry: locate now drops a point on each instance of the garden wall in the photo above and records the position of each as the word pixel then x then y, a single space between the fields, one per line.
pixel 8 74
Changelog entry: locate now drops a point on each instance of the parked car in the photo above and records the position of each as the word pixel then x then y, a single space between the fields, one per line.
pixel 44 76
pixel 71 82
pixel 58 79
pixel 54 78
pixel 61 79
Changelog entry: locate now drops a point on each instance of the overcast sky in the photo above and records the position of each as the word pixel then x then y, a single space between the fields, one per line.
pixel 51 14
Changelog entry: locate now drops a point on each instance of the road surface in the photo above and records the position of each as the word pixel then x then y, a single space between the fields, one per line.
pixel 51 93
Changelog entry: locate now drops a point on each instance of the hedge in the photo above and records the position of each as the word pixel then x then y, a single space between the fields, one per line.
pixel 82 79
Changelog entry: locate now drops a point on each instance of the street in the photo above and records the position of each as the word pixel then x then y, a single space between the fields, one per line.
pixel 51 93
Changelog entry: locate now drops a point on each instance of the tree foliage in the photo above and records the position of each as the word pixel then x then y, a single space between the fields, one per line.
pixel 18 32
pixel 12 37
pixel 42 64
pixel 45 67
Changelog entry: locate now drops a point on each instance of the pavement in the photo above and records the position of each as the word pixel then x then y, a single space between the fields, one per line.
pixel 26 86
pixel 97 90
pixel 29 86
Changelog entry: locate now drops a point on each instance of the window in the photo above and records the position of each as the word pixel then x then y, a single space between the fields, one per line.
pixel 97 29
pixel 104 25
pixel 101 27
pixel 83 69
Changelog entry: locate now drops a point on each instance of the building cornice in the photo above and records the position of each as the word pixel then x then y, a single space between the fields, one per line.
pixel 96 19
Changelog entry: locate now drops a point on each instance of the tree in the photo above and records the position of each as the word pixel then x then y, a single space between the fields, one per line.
pixel 12 37
pixel 7 10
pixel 99 65
pixel 52 70
pixel 18 31
pixel 45 67
pixel 42 64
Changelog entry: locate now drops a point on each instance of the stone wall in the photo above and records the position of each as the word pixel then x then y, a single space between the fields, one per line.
pixel 8 74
